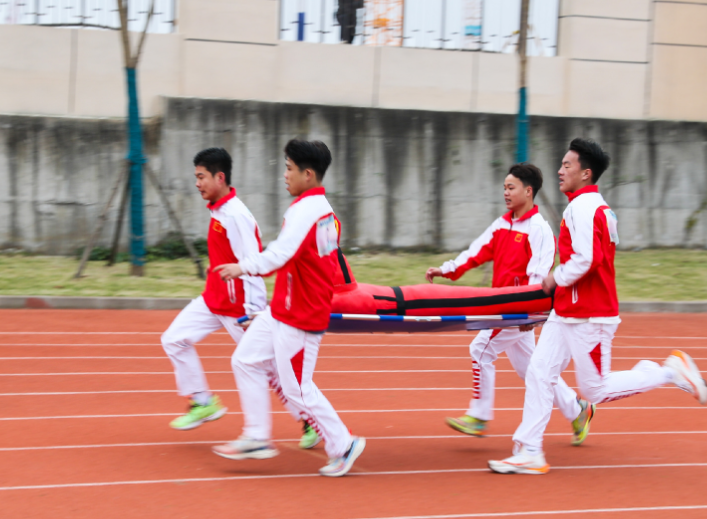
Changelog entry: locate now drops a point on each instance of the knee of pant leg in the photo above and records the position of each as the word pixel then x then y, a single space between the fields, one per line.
pixel 538 372
pixel 240 361
pixel 593 394
pixel 170 342
pixel 237 362
pixel 482 355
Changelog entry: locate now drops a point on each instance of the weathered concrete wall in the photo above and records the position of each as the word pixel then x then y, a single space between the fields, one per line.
pixel 55 176
pixel 399 178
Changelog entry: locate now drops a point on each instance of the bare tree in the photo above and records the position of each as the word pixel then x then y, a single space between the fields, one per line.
pixel 134 166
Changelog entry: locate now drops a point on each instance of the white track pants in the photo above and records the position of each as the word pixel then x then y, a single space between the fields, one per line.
pixel 589 345
pixel 519 347
pixel 274 354
pixel 193 324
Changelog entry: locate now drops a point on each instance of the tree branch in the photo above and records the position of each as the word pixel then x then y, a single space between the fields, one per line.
pixel 123 12
pixel 79 25
pixel 136 58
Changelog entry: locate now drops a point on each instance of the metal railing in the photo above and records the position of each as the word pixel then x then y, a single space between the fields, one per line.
pixel 487 25
pixel 97 14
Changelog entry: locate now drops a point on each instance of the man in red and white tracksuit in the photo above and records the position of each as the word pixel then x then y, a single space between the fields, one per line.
pixel 233 234
pixel 585 317
pixel 280 348
pixel 522 247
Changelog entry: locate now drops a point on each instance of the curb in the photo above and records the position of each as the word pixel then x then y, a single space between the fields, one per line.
pixel 676 307
pixel 164 303
pixel 93 303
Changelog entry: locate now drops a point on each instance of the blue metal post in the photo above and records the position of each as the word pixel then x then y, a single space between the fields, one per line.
pixel 522 121
pixel 300 26
pixel 137 159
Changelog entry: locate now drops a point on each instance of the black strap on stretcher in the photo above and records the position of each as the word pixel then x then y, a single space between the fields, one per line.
pixel 401 305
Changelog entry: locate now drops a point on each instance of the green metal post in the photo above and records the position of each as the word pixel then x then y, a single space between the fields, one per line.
pixel 137 159
pixel 522 128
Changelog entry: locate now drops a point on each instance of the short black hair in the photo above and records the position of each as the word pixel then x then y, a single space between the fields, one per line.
pixel 529 175
pixel 591 156
pixel 215 160
pixel 309 154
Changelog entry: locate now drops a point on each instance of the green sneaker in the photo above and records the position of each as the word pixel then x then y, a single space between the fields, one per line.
pixel 468 425
pixel 199 414
pixel 580 426
pixel 310 437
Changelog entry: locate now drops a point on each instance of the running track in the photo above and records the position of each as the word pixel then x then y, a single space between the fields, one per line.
pixel 86 397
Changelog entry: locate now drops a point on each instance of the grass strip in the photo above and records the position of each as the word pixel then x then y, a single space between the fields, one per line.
pixel 648 275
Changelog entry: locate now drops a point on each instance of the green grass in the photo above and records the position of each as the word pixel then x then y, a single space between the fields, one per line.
pixel 53 276
pixel 649 275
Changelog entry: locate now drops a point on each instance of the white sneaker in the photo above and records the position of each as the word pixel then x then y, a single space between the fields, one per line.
pixel 521 463
pixel 246 448
pixel 340 466
pixel 687 376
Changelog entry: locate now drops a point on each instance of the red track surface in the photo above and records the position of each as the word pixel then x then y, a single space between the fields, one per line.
pixel 84 431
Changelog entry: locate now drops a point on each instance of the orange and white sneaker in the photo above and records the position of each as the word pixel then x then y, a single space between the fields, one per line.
pixel 687 377
pixel 521 463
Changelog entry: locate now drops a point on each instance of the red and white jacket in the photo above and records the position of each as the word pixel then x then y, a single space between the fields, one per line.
pixel 522 251
pixel 233 234
pixel 586 279
pixel 305 256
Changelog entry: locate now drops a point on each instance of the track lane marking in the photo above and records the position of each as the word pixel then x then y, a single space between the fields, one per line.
pixel 172 391
pixel 401 334
pixel 551 512
pixel 396 335
pixel 231 372
pixel 296 440
pixel 361 411
pixel 329 357
pixel 351 474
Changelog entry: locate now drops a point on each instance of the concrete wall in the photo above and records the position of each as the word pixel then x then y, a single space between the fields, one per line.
pixel 632 59
pixel 400 178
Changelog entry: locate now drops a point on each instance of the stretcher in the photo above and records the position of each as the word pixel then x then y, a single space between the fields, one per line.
pixel 360 307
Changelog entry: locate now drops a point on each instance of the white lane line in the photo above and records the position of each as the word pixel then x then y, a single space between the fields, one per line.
pixel 357 474
pixel 551 512
pixel 295 440
pixel 172 391
pixel 398 357
pixel 398 335
pixel 231 373
pixel 468 334
pixel 96 344
pixel 164 357
pixel 360 411
pixel 232 345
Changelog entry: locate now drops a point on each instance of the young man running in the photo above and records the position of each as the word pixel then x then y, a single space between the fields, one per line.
pixel 233 234
pixel 585 317
pixel 522 247
pixel 280 348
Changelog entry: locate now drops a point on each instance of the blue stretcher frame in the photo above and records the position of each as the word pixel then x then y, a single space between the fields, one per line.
pixel 361 323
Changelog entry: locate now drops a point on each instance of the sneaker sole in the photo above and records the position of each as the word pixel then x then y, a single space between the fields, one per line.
pixel 260 454
pixel 505 468
pixel 358 449
pixel 691 375
pixel 576 442
pixel 310 446
pixel 218 414
pixel 454 425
